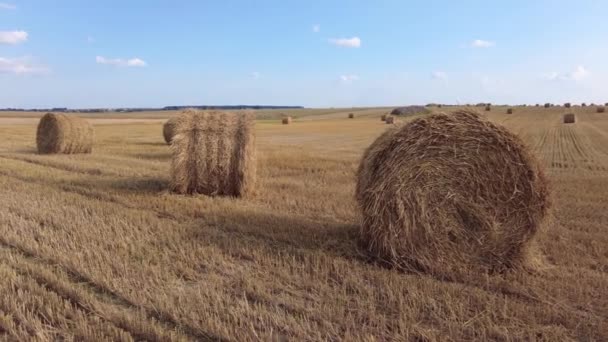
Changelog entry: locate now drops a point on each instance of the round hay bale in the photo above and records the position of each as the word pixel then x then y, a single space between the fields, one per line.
pixel 510 111
pixel 213 153
pixel 601 109
pixel 567 105
pixel 569 118
pixel 488 108
pixel 390 120
pixel 286 120
pixel 351 115
pixel 547 105
pixel 168 129
pixel 583 104
pixel 60 133
pixel 449 195
pixel 383 117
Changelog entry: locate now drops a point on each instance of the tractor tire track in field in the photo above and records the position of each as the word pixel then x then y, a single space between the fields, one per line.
pixel 96 299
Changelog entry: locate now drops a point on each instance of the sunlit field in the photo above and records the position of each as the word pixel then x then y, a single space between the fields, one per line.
pixel 95 247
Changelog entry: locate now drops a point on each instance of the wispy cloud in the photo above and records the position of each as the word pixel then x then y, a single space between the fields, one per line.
pixel 439 75
pixel 13 37
pixel 349 78
pixel 578 74
pixel 354 42
pixel 133 62
pixel 7 6
pixel 479 43
pixel 256 75
pixel 20 66
pixel 316 28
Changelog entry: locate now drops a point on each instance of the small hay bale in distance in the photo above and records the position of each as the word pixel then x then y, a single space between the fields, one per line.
pixel 567 105
pixel 168 129
pixel 510 111
pixel 383 117
pixel 60 133
pixel 437 196
pixel 569 118
pixel 601 109
pixel 583 104
pixel 213 153
pixel 351 115
pixel 547 105
pixel 390 120
pixel 488 108
pixel 286 120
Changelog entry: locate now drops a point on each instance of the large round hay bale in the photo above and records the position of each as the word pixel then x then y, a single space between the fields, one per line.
pixel 450 194
pixel 569 118
pixel 390 120
pixel 214 154
pixel 60 133
pixel 286 120
pixel 168 129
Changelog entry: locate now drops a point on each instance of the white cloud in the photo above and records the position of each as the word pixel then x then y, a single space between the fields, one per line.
pixel 256 75
pixel 349 78
pixel 479 43
pixel 6 6
pixel 578 74
pixel 353 42
pixel 133 62
pixel 12 37
pixel 316 28
pixel 20 66
pixel 439 75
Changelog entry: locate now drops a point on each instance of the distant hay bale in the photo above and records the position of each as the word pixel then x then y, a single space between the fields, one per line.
pixel 488 108
pixel 567 105
pixel 451 194
pixel 569 118
pixel 601 109
pixel 537 105
pixel 606 104
pixel 383 117
pixel 390 120
pixel 510 111
pixel 547 105
pixel 286 120
pixel 60 133
pixel 583 104
pixel 168 129
pixel 214 154
pixel 351 115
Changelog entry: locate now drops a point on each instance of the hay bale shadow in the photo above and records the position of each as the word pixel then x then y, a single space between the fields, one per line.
pixel 276 232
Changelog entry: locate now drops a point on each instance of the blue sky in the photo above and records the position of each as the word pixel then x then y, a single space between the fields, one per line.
pixel 112 53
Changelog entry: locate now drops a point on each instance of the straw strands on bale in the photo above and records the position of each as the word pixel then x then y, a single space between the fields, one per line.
pixel 168 129
pixel 390 120
pixel 287 120
pixel 450 195
pixel 59 133
pixel 569 118
pixel 214 153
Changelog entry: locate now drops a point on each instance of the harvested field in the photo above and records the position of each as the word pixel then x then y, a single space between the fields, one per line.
pixel 97 247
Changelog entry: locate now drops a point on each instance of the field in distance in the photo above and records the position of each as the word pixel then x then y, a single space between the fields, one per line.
pixel 94 247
